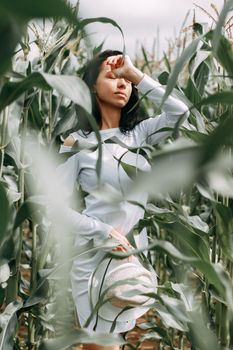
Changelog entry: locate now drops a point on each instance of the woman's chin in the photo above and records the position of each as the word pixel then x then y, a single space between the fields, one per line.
pixel 120 104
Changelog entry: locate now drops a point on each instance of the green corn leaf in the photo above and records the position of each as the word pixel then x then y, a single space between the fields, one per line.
pixel 180 63
pixel 224 54
pixel 29 208
pixel 222 135
pixel 224 228
pixel 10 33
pixel 14 16
pixel 212 273
pixel 106 20
pixel 4 210
pixel 200 335
pixel 193 244
pixel 228 6
pixel 70 86
pixel 26 10
pixel 8 325
pixel 169 319
pixel 200 57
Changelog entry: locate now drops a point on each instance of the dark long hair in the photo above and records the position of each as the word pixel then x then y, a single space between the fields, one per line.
pixel 129 114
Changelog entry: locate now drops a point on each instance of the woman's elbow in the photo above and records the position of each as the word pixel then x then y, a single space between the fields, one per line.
pixel 184 110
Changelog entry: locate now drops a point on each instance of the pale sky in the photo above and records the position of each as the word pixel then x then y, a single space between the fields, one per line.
pixel 141 19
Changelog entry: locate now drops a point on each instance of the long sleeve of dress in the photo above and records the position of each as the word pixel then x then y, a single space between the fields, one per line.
pixel 80 225
pixel 173 109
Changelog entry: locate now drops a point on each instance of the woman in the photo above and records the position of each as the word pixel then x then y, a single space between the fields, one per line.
pixel 113 82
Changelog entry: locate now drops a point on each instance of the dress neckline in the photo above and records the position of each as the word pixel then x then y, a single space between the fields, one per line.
pixel 103 131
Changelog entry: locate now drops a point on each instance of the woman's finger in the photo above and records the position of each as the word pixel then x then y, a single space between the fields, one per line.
pixel 119 248
pixel 122 239
pixel 122 247
pixel 114 61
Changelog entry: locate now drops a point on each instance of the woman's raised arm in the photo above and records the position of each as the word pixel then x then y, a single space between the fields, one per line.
pixel 173 108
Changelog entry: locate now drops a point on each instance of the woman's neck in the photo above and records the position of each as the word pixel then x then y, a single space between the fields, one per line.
pixel 110 117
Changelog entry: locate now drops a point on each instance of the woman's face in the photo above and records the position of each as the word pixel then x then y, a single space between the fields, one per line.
pixel 110 90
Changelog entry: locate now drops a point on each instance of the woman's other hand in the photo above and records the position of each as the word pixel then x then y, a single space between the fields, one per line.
pixel 124 68
pixel 124 245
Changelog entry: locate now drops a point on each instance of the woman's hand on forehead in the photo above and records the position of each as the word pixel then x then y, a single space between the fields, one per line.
pixel 122 67
pixel 118 60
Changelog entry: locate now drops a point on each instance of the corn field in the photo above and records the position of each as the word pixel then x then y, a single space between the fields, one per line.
pixel 189 216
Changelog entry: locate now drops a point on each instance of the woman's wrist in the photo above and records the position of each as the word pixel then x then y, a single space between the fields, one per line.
pixel 135 76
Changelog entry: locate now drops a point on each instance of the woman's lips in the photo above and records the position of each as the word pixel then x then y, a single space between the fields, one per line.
pixel 122 94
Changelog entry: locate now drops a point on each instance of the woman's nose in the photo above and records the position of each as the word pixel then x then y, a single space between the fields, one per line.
pixel 121 82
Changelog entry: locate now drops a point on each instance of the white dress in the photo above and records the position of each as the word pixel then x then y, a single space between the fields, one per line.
pixel 99 216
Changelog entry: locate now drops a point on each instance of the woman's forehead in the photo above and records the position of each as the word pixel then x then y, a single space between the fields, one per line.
pixel 105 67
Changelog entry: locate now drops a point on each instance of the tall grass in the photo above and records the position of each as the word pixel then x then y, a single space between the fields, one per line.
pixel 189 215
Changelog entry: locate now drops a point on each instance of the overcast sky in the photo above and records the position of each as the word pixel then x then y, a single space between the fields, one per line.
pixel 141 20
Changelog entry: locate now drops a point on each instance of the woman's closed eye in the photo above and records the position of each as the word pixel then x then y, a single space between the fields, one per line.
pixel 111 75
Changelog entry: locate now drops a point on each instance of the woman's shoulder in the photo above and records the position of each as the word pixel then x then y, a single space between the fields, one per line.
pixel 142 125
pixel 143 128
pixel 69 141
pixel 73 137
pixel 76 137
